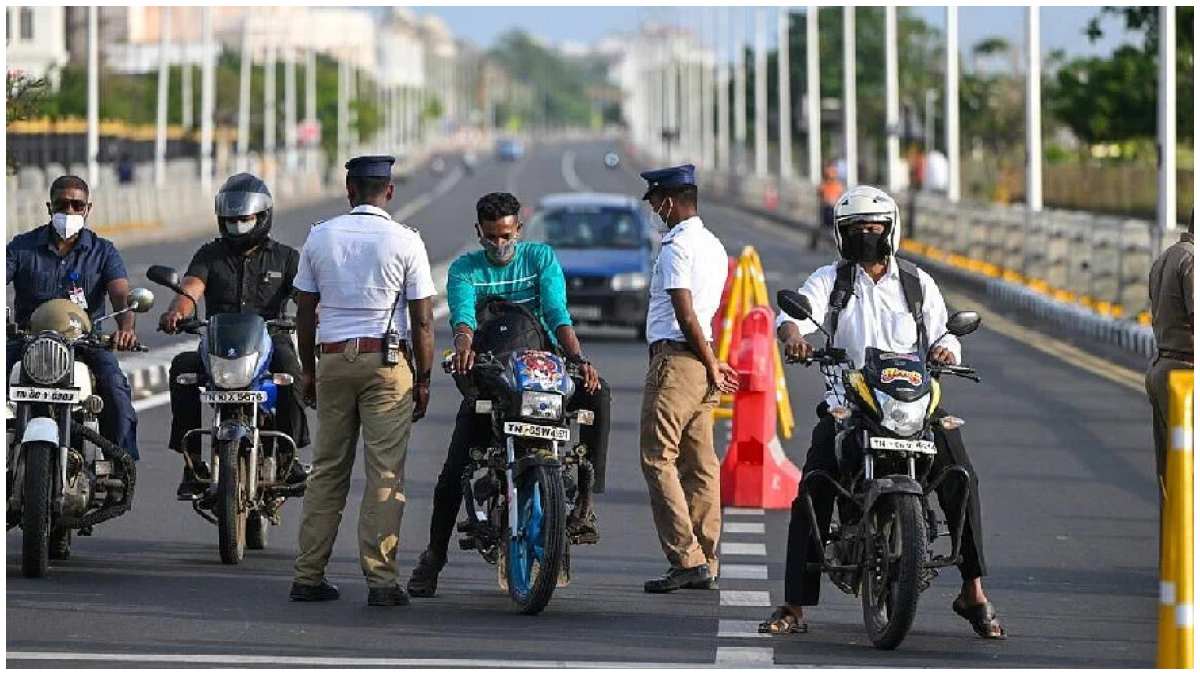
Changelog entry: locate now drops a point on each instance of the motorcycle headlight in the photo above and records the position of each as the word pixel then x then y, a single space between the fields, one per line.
pixel 900 417
pixel 47 360
pixel 232 373
pixel 629 281
pixel 541 405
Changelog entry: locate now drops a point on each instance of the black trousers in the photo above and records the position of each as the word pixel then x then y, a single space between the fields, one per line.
pixel 803 587
pixel 472 430
pixel 185 399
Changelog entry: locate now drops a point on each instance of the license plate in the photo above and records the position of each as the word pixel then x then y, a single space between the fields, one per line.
pixel 537 431
pixel 43 395
pixel 233 396
pixel 902 445
pixel 585 312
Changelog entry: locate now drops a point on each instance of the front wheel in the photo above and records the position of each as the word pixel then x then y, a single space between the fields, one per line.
pixel 35 509
pixel 537 554
pixel 231 509
pixel 895 559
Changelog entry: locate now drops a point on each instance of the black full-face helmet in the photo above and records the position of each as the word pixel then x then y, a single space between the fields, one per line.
pixel 244 194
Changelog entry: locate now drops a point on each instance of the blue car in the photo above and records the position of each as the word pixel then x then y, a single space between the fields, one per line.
pixel 606 245
pixel 509 149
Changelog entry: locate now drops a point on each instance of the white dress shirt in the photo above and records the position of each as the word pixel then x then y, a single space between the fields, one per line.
pixel 691 257
pixel 876 316
pixel 359 263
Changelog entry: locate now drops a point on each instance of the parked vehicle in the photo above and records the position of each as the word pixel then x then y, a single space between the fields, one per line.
pixel 509 149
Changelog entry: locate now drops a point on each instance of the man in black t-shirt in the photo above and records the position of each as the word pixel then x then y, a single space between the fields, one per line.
pixel 243 270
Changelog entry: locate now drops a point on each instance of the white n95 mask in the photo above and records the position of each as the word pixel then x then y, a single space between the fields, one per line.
pixel 67 225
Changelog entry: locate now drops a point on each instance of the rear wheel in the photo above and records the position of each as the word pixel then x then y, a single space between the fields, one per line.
pixel 257 527
pixel 891 589
pixel 35 509
pixel 536 556
pixel 231 510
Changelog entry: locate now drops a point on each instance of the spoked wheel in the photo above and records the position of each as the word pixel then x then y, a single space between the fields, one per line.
pixel 535 556
pixel 891 589
pixel 231 501
pixel 35 509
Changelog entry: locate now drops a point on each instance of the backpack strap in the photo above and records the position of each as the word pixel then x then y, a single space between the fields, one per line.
pixel 910 281
pixel 843 290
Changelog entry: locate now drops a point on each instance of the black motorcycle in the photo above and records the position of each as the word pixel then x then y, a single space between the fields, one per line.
pixel 519 489
pixel 249 459
pixel 880 546
pixel 62 475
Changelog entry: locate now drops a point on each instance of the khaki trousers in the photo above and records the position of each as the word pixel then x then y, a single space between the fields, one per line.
pixel 681 468
pixel 356 390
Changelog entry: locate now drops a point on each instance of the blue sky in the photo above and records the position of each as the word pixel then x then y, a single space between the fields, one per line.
pixel 1061 26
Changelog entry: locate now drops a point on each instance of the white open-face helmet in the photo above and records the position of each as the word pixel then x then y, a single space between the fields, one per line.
pixel 863 203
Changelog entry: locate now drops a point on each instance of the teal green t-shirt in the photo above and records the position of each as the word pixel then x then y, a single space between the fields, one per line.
pixel 533 278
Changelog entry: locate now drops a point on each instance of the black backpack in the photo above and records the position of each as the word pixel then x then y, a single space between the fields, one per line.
pixel 504 327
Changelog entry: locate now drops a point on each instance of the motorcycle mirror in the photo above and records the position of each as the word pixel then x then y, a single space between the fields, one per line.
pixel 140 300
pixel 963 323
pixel 164 276
pixel 796 305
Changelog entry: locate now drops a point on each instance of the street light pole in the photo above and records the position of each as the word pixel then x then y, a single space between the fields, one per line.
pixel 93 101
pixel 760 92
pixel 270 92
pixel 1033 111
pixel 243 137
pixel 185 90
pixel 739 90
pixel 1167 218
pixel 849 76
pixel 723 144
pixel 310 105
pixel 207 96
pixel 892 98
pixel 289 108
pixel 952 158
pixel 813 83
pixel 785 95
pixel 164 73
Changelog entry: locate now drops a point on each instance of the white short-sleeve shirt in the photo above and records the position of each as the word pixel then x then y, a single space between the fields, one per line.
pixel 363 264
pixel 691 257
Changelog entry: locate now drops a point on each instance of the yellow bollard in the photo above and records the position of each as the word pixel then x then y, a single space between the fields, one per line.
pixel 1176 589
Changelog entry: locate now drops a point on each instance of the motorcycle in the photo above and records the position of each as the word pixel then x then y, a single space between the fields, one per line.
pixel 881 544
pixel 246 485
pixel 519 490
pixel 62 475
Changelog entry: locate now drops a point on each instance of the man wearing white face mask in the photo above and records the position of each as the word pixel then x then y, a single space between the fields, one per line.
pixel 64 259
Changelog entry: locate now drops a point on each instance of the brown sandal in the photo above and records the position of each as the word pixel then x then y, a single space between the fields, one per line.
pixel 783 621
pixel 982 618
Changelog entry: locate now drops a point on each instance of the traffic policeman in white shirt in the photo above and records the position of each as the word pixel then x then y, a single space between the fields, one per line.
pixel 370 275
pixel 683 385
pixel 877 289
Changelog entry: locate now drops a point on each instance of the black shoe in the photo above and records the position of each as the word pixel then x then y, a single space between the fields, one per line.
pixel 583 529
pixel 387 596
pixel 709 584
pixel 677 578
pixel 296 474
pixel 189 485
pixel 317 593
pixel 423 582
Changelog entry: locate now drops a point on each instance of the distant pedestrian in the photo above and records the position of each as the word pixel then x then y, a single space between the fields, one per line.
pixel 683 385
pixel 125 169
pixel 370 275
pixel 1173 319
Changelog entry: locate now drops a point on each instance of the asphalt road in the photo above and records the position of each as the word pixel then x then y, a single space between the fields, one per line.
pixel 1063 456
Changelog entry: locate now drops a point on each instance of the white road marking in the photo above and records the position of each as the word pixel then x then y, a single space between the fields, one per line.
pixel 745 598
pixel 569 175
pixel 152 401
pixel 738 628
pixel 734 548
pixel 739 511
pixel 328 661
pixel 744 528
pixel 731 571
pixel 425 199
pixel 734 657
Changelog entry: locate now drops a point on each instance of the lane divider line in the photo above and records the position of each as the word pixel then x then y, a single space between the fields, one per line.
pixel 740 511
pixel 745 598
pixel 737 548
pixel 736 600
pixel 569 174
pixel 745 657
pixel 744 528
pixel 326 661
pixel 741 571
pixel 739 629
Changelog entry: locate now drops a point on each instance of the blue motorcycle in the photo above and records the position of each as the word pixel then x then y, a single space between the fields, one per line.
pixel 248 459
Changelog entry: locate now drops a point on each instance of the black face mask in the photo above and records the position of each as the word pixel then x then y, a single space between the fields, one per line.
pixel 865 247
